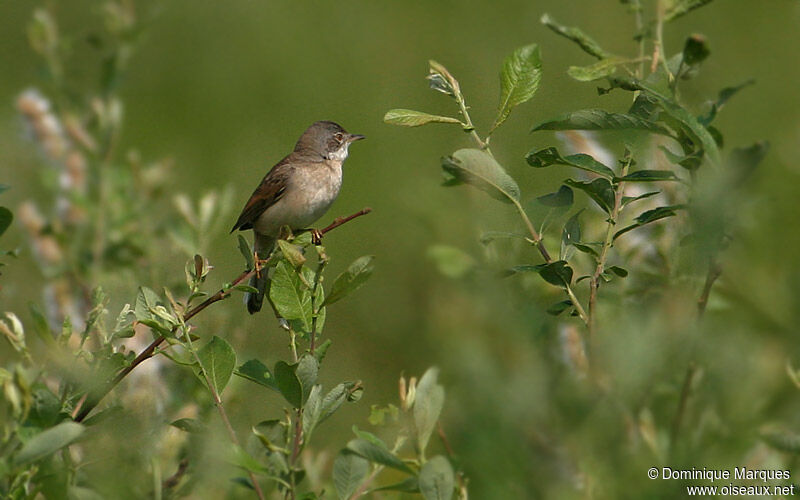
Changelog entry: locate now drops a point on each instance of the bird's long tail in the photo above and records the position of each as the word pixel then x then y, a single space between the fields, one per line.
pixel 263 246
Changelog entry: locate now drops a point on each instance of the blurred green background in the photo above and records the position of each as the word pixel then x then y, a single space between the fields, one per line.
pixel 225 88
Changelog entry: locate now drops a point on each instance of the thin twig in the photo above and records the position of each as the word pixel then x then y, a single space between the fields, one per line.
pixel 594 281
pixel 220 407
pixel 174 479
pixel 221 294
pixel 714 272
pixel 685 392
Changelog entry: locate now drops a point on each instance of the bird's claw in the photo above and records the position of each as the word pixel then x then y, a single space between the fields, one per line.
pixel 316 237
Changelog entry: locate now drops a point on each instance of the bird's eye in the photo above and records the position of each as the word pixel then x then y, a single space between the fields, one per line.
pixel 338 136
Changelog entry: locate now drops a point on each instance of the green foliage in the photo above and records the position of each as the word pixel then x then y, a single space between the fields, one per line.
pixel 475 167
pixel 519 80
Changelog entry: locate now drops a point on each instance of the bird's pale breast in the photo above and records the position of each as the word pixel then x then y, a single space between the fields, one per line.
pixel 309 193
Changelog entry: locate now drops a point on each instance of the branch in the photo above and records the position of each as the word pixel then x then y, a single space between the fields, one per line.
pixel 714 271
pixel 221 294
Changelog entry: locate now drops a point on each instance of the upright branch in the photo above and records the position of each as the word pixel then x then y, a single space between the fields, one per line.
pixel 91 401
pixel 594 282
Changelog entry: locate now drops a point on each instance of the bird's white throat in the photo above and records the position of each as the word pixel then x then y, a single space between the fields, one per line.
pixel 340 154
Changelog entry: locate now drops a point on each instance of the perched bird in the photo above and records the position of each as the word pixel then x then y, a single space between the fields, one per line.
pixel 296 192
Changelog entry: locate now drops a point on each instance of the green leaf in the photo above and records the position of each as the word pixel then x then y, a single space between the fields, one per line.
pixel 5 219
pixel 410 118
pixel 491 236
pixel 550 156
pixel 356 275
pixel 598 119
pixel 556 273
pixel 288 383
pixel 650 216
pixel 336 398
pixel 648 176
pixel 189 425
pixel 349 471
pixel 576 35
pixel 782 440
pixel 428 405
pixel 559 307
pixel 478 168
pixel 256 371
pixel 246 288
pixel 622 273
pixel 723 97
pixel 375 451
pixel 677 8
pixel 292 297
pixel 572 230
pixel 48 442
pixel 306 370
pixel 247 252
pixel 586 249
pixel 436 479
pixel 408 485
pixel 743 161
pixel 561 198
pixel 695 50
pixel 630 199
pixel 451 261
pixel 146 301
pixel 601 69
pixel 519 80
pixel 311 411
pixel 599 190
pixel 292 254
pixel 218 361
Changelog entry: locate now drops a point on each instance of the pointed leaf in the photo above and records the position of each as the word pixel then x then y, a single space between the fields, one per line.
pixel 630 199
pixel 356 275
pixel 598 119
pixel 599 190
pixel 218 360
pixel 561 198
pixel 288 383
pixel 48 442
pixel 550 156
pixel 601 69
pixel 247 252
pixel 257 372
pixel 677 8
pixel 291 296
pixel 572 230
pixel 428 404
pixel 576 35
pixel 436 479
pixel 650 216
pixel 5 219
pixel 411 118
pixel 519 80
pixel 648 176
pixel 476 167
pixel 349 471
pixel 377 452
pixel 292 253
pixel 723 97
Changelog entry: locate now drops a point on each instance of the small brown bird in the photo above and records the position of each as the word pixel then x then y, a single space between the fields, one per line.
pixel 296 192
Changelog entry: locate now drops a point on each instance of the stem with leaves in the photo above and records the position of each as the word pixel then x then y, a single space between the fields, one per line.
pixel 608 242
pixel 92 401
pixel 218 403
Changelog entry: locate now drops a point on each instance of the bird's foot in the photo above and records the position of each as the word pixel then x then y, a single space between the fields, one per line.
pixel 316 237
pixel 257 264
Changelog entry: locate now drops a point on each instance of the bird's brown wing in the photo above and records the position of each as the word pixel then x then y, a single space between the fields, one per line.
pixel 266 194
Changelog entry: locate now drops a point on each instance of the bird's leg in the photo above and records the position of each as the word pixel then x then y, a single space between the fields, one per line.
pixel 257 264
pixel 316 237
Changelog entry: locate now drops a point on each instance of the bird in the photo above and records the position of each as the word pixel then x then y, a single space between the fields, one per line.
pixel 296 192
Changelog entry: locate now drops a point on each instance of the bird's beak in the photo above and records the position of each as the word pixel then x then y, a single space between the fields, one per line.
pixel 355 137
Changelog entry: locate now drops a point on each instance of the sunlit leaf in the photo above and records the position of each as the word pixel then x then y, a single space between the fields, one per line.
pixel 428 405
pixel 48 442
pixel 478 168
pixel 598 119
pixel 356 275
pixel 519 80
pixel 349 471
pixel 218 361
pixel 411 118
pixel 436 479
